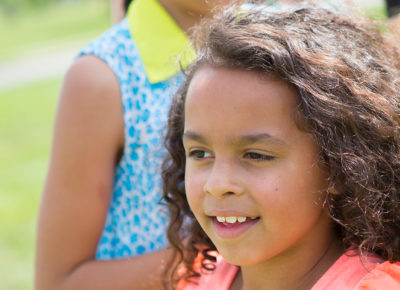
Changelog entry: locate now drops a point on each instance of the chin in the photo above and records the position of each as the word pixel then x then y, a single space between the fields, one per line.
pixel 238 258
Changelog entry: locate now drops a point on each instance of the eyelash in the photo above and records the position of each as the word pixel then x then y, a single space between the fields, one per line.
pixel 259 157
pixel 251 155
pixel 193 154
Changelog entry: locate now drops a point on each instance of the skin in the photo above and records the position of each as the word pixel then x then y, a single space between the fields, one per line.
pixel 117 10
pixel 247 157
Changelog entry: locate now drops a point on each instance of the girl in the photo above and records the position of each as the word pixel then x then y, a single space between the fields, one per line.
pixel 284 150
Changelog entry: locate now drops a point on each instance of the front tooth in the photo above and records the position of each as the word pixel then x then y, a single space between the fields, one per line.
pixel 230 219
pixel 241 219
pixel 221 219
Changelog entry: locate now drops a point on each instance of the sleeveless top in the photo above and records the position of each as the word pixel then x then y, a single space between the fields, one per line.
pixel 136 223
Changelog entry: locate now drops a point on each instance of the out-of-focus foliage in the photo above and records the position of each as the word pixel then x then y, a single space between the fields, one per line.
pixel 25 130
pixel 14 6
pixel 35 28
pixel 21 3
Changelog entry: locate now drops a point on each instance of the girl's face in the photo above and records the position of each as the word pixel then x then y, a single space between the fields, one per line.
pixel 252 177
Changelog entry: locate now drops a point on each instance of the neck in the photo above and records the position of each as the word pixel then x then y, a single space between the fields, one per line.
pixel 184 18
pixel 295 269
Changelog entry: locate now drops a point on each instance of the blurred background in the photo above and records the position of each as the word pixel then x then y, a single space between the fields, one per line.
pixel 38 41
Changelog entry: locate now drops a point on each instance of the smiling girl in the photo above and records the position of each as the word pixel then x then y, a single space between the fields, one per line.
pixel 284 150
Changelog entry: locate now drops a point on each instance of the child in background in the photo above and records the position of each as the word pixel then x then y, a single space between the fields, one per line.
pixel 284 150
pixel 101 199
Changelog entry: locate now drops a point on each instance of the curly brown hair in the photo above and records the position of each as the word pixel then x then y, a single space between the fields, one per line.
pixel 346 75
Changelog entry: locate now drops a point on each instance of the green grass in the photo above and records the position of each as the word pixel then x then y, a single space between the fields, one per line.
pixel 31 29
pixel 25 128
pixel 26 120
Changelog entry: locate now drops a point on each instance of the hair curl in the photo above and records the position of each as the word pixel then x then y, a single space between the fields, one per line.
pixel 346 75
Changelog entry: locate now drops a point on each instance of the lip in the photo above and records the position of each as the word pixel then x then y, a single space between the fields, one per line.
pixel 232 231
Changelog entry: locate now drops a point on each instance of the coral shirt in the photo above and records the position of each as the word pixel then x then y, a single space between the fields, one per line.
pixel 348 272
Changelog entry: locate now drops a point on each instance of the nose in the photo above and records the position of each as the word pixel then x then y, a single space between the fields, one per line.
pixel 223 180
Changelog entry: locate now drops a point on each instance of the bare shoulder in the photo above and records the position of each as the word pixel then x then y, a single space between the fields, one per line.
pixel 89 126
pixel 91 77
pixel 90 97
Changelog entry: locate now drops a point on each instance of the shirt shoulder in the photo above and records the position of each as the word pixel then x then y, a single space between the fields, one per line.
pixel 347 272
pixel 384 276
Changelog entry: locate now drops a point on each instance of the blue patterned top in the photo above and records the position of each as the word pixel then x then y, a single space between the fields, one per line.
pixel 136 223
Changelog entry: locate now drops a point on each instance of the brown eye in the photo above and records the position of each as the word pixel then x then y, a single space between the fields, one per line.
pixel 199 154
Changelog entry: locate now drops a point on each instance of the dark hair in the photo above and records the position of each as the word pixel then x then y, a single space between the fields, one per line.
pixel 126 4
pixel 392 7
pixel 347 79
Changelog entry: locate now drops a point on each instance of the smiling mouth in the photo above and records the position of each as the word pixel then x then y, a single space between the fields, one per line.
pixel 231 227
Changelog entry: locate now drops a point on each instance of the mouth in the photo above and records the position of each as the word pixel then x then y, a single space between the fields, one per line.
pixel 231 227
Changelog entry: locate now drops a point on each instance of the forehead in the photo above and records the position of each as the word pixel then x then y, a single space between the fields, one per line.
pixel 230 85
pixel 237 100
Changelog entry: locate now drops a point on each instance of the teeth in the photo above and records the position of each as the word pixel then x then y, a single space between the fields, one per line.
pixel 241 219
pixel 221 219
pixel 232 219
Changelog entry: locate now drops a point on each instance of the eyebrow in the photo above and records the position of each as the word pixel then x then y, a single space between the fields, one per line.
pixel 241 140
pixel 193 136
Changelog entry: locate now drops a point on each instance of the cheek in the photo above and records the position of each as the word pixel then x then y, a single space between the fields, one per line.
pixel 269 190
pixel 194 188
pixel 298 188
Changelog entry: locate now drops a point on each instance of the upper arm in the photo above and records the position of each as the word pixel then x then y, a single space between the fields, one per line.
pixel 88 134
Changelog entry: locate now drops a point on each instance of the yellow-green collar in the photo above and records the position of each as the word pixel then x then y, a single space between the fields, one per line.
pixel 159 39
